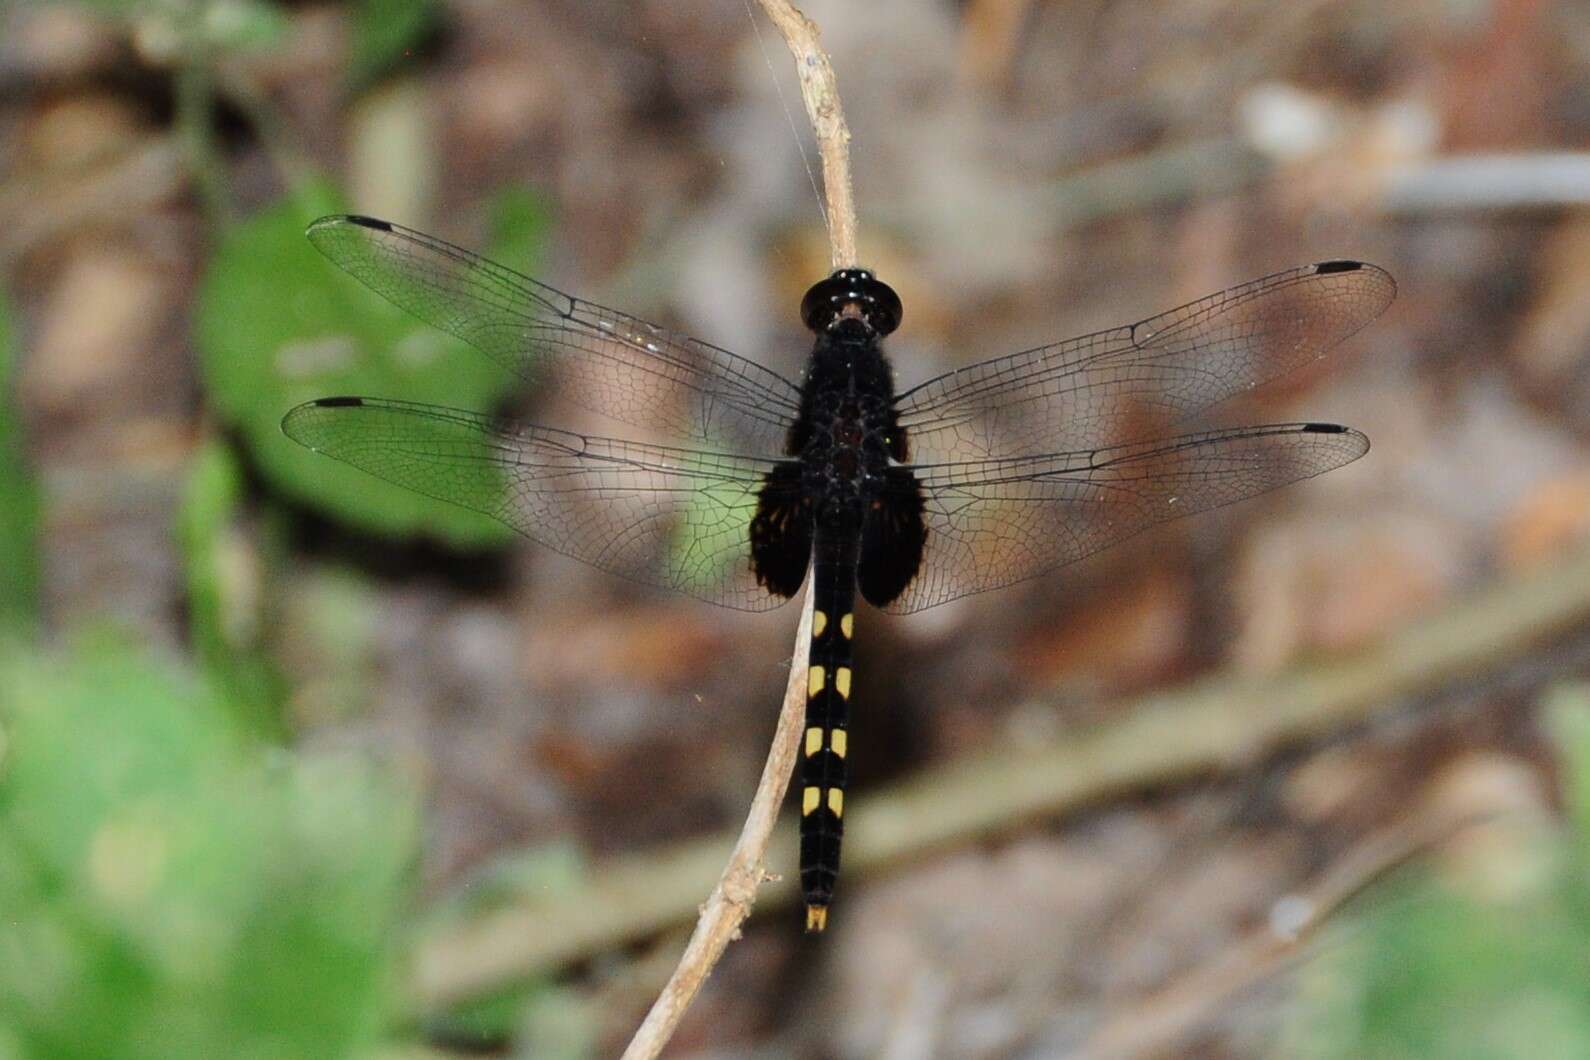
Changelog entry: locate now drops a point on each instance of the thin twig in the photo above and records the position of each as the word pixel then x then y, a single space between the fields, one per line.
pixel 820 93
pixel 731 900
pixel 1218 725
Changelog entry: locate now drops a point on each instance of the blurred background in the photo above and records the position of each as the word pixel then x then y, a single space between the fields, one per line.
pixel 296 765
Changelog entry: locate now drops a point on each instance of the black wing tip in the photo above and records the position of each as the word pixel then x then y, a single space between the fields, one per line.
pixel 1388 282
pixel 337 219
pixel 292 424
pixel 1357 436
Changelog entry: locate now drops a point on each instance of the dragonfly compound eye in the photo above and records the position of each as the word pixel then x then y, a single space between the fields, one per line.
pixel 828 299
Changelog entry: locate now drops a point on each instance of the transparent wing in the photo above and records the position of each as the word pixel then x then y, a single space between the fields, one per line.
pixel 993 522
pixel 675 518
pixel 1135 381
pixel 603 360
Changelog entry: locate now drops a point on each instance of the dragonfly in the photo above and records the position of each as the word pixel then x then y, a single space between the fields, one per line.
pixel 740 483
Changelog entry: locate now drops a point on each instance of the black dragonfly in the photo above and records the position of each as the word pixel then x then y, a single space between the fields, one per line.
pixel 984 476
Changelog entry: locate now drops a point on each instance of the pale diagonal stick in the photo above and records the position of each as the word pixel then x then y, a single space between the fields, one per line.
pixel 731 900
pixel 820 93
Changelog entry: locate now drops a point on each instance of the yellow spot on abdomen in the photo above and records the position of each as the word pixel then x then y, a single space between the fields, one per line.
pixel 816 917
pixel 814 740
pixel 847 624
pixel 810 797
pixel 820 623
pixel 842 681
pixel 815 680
pixel 836 801
pixel 836 740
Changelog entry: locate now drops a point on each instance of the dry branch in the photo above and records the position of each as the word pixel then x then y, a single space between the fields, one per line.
pixel 730 901
pixel 820 93
pixel 1216 726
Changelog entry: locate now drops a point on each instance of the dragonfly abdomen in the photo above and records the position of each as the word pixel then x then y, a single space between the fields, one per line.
pixel 824 744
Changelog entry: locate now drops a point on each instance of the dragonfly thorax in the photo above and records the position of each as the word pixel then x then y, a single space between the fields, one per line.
pixel 842 439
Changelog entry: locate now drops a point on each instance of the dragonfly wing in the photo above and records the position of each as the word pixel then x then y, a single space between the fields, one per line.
pixel 1135 381
pixel 675 518
pixel 605 361
pixel 990 523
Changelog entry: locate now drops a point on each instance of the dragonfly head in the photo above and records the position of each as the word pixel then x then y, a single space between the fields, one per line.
pixel 850 294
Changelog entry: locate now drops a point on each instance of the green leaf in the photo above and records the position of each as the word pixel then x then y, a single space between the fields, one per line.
pixel 1429 972
pixel 535 872
pixel 530 1008
pixel 519 227
pixel 243 25
pixel 1425 967
pixel 543 1021
pixel 170 893
pixel 1568 721
pixel 277 324
pixel 19 507
pixel 192 29
pixel 226 591
pixel 558 1024
pixel 114 8
pixel 328 629
pixel 383 31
